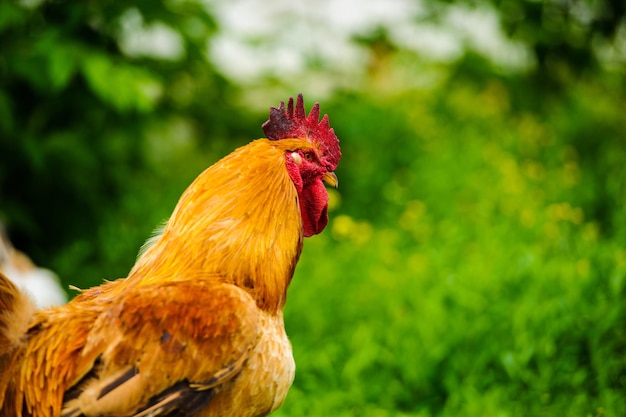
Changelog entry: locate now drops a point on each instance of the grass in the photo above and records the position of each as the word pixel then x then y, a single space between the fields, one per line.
pixel 486 286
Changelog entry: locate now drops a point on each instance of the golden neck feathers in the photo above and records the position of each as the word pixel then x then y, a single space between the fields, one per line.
pixel 238 221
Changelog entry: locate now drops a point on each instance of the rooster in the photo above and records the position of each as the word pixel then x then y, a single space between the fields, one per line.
pixel 196 328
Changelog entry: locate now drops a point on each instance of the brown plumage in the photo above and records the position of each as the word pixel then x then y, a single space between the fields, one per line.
pixel 196 329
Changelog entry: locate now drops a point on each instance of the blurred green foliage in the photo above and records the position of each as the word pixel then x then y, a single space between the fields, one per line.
pixel 82 121
pixel 567 39
pixel 474 264
pixel 483 271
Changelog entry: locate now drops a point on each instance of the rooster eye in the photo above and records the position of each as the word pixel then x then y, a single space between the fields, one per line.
pixel 308 156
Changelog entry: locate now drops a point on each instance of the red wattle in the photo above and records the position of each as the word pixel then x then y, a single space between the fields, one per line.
pixel 314 207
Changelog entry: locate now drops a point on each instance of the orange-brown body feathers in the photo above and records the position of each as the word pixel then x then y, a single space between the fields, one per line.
pixel 196 328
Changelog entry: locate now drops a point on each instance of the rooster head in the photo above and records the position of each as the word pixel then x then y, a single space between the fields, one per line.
pixel 311 161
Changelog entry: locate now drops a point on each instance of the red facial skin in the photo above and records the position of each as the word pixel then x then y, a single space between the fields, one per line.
pixel 312 195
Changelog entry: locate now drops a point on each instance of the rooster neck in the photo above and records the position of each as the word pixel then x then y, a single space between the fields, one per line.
pixel 239 221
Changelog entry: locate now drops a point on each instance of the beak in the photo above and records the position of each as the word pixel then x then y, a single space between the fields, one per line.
pixel 331 179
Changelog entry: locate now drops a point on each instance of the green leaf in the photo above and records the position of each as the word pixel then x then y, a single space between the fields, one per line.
pixel 123 86
pixel 95 68
pixel 62 62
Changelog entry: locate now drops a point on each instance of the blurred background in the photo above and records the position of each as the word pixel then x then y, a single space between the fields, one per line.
pixel 475 260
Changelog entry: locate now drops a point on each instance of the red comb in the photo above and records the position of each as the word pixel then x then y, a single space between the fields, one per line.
pixel 294 123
